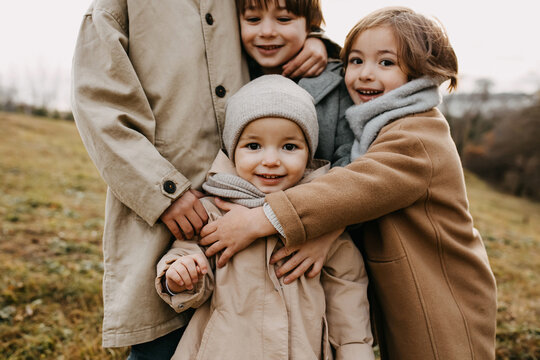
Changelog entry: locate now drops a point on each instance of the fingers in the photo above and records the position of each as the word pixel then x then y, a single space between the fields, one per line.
pixel 209 239
pixel 214 249
pixel 301 70
pixel 202 264
pixel 200 211
pixel 281 254
pixel 224 205
pixel 173 228
pixel 185 226
pixel 225 256
pixel 299 271
pixel 315 269
pixel 207 230
pixel 290 264
pixel 197 193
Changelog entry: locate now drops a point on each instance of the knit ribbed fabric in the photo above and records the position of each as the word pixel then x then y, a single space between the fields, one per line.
pixel 270 96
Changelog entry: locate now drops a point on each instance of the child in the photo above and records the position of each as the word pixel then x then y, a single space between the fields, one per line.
pixel 270 135
pixel 274 31
pixel 434 291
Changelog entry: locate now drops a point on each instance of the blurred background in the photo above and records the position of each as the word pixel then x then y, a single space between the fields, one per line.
pixel 52 198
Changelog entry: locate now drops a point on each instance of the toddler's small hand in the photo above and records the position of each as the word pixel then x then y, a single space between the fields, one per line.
pixel 185 272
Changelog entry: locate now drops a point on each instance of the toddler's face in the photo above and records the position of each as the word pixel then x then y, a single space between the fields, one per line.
pixel 272 36
pixel 373 65
pixel 272 154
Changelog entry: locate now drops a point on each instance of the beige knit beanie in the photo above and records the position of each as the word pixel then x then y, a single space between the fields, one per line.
pixel 270 96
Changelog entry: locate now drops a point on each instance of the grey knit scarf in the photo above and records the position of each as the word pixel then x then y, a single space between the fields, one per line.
pixel 235 189
pixel 367 119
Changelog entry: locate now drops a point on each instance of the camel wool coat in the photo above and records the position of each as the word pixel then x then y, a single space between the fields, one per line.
pixel 149 85
pixel 435 293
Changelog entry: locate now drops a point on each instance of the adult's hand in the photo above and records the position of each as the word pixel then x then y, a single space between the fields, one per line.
pixel 309 62
pixel 186 216
pixel 234 231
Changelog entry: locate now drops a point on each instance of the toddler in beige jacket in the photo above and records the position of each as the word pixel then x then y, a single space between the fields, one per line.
pixel 244 311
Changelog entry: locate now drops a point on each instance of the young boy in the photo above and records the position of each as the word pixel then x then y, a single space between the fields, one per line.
pixel 274 31
pixel 270 135
pixel 435 293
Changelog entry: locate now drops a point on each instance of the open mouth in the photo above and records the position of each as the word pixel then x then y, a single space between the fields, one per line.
pixel 369 92
pixel 269 47
pixel 270 177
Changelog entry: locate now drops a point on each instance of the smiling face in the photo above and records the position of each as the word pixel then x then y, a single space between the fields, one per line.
pixel 272 36
pixel 373 65
pixel 272 154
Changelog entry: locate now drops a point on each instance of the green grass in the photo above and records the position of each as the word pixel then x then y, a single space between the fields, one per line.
pixel 51 216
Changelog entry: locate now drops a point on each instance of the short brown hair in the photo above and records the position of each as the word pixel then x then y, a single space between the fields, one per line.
pixel 309 9
pixel 423 45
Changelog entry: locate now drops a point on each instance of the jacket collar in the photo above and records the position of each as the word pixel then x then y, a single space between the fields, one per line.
pixel 323 84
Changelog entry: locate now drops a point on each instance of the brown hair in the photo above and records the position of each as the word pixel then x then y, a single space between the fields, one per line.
pixel 309 9
pixel 423 45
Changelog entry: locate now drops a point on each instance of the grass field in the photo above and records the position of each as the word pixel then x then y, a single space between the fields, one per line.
pixel 51 218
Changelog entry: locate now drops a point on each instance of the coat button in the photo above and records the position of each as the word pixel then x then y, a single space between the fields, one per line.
pixel 209 19
pixel 169 187
pixel 220 91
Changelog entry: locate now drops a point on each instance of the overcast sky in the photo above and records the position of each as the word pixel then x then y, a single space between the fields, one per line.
pixel 492 39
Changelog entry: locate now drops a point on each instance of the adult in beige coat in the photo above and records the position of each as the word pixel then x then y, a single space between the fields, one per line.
pixel 251 314
pixel 150 82
pixel 142 72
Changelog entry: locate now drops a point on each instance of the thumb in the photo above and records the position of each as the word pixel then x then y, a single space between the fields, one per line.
pixel 224 205
pixel 197 193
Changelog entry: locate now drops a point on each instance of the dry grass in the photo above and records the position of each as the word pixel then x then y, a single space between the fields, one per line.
pixel 51 216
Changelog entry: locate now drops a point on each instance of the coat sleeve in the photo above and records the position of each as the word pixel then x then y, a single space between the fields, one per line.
pixel 189 299
pixel 345 283
pixel 393 174
pixel 115 119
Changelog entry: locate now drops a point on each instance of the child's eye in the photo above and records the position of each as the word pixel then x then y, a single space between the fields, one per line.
pixel 284 19
pixel 387 63
pixel 253 146
pixel 355 61
pixel 289 147
pixel 252 19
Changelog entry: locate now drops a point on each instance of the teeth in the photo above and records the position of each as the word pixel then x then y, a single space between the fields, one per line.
pixel 369 92
pixel 270 176
pixel 269 47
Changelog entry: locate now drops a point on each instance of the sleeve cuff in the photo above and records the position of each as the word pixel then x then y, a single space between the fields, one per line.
pixel 271 216
pixel 286 215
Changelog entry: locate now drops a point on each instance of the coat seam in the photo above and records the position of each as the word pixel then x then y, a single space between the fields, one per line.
pixel 114 16
pixel 440 250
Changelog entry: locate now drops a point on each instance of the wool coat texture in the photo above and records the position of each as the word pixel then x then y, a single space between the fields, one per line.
pixel 434 291
pixel 245 312
pixel 149 86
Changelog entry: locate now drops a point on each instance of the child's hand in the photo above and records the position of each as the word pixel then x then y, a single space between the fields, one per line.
pixel 310 61
pixel 185 272
pixel 311 254
pixel 235 231
pixel 186 215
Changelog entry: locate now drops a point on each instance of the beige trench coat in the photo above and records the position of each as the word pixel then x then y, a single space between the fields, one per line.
pixel 253 315
pixel 150 82
pixel 434 289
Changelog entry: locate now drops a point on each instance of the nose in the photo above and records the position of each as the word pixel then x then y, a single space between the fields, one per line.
pixel 270 158
pixel 366 72
pixel 267 28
